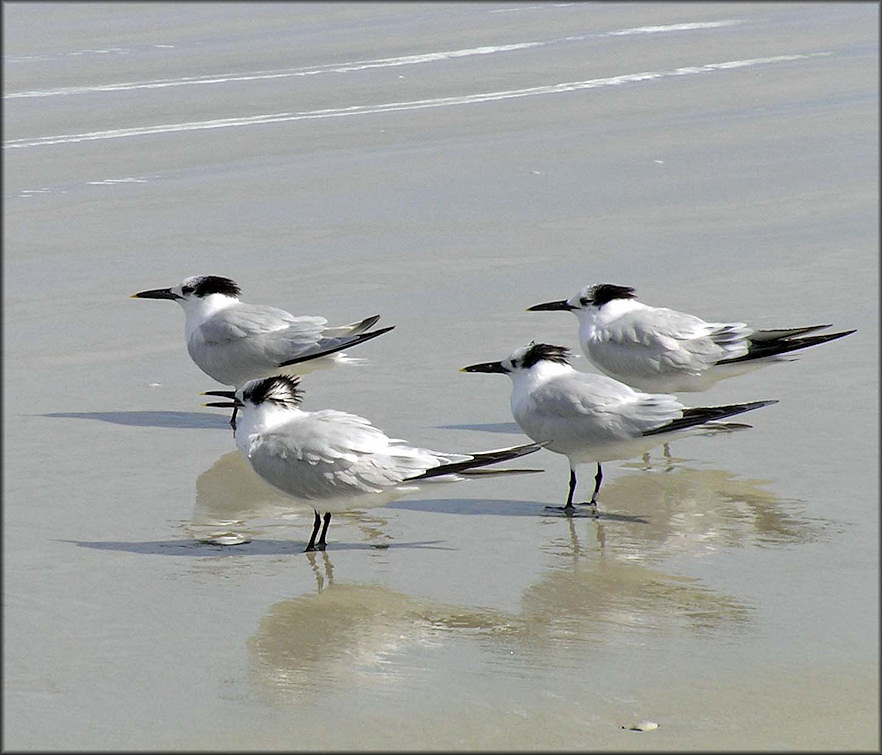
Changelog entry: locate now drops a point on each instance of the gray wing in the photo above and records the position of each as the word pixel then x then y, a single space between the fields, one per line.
pixel 659 341
pixel 595 409
pixel 276 329
pixel 334 455
pixel 248 341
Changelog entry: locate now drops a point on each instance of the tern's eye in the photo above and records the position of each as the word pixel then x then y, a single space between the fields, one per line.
pixel 186 290
pixel 584 301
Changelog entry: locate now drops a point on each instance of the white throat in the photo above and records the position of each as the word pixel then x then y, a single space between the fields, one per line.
pixel 263 418
pixel 593 319
pixel 198 309
pixel 525 381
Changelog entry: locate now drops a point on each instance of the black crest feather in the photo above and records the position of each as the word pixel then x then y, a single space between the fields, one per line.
pixel 544 351
pixel 278 389
pixel 606 292
pixel 215 284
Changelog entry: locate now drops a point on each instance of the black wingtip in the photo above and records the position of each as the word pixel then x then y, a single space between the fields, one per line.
pixel 762 349
pixel 840 334
pixel 482 459
pixel 484 472
pixel 775 334
pixel 360 338
pixel 701 415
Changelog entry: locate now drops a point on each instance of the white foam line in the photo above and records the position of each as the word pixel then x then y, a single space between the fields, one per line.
pixel 254 120
pixel 672 27
pixel 357 65
pixel 531 7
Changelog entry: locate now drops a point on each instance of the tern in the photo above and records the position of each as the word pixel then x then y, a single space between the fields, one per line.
pixel 593 418
pixel 665 351
pixel 234 342
pixel 331 461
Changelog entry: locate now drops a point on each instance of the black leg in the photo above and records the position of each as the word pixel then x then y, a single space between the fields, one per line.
pixel 233 419
pixel 598 478
pixel 315 528
pixel 321 541
pixel 572 491
pixel 568 509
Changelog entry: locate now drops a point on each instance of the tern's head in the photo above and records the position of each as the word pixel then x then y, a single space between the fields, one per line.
pixel 278 391
pixel 194 291
pixel 530 358
pixel 589 298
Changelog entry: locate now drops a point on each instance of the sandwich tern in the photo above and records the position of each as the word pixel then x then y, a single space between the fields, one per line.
pixel 588 417
pixel 331 461
pixel 233 342
pixel 664 351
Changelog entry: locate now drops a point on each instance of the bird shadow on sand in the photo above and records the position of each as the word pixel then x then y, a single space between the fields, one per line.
pixel 504 507
pixel 202 549
pixel 188 420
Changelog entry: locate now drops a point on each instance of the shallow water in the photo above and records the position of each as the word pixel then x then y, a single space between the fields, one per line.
pixel 446 165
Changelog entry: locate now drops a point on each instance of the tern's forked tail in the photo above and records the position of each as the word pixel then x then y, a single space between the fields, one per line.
pixel 353 328
pixel 484 472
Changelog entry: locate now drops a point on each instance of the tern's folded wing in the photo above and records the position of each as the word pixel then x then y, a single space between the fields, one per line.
pixel 248 321
pixel 599 408
pixel 245 342
pixel 332 454
pixel 663 340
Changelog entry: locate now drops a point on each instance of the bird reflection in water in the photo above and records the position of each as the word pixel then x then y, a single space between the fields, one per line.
pixel 603 585
pixel 613 589
pixel 349 634
pixel 324 575
pixel 602 594
pixel 684 509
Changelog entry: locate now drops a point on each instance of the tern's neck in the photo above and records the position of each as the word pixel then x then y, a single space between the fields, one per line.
pixel 198 310
pixel 525 381
pixel 600 316
pixel 265 417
